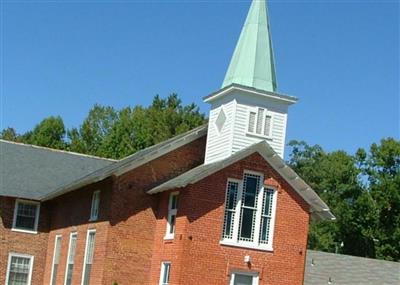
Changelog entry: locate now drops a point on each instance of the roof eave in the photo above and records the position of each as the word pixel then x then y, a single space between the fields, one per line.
pixel 129 163
pixel 318 209
pixel 289 100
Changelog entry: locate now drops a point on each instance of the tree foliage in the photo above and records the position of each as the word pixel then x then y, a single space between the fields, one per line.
pixel 9 134
pixel 112 133
pixel 362 190
pixel 50 132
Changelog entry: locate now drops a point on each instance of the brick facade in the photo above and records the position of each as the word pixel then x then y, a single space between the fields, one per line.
pixel 23 243
pixel 133 218
pixel 70 213
pixel 130 245
pixel 195 250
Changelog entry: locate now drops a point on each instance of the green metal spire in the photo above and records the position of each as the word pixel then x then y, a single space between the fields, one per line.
pixel 252 63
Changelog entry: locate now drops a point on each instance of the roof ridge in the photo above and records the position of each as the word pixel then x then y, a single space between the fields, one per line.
pixel 57 150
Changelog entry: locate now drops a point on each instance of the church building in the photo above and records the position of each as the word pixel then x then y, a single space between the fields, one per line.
pixel 216 205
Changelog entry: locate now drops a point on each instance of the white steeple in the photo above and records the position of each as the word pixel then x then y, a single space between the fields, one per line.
pixel 247 109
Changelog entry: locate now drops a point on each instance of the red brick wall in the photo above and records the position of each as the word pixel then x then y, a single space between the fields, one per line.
pixel 195 253
pixel 24 243
pixel 70 213
pixel 124 230
pixel 133 214
pixel 129 244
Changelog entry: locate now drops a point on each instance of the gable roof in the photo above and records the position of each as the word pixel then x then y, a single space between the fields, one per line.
pixel 349 270
pixel 130 162
pixel 319 210
pixel 28 171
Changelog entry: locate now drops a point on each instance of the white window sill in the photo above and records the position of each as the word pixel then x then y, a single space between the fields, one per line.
pixel 169 237
pixel 259 136
pixel 24 231
pixel 264 247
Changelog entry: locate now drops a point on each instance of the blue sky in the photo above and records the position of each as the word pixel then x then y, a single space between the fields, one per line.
pixel 340 58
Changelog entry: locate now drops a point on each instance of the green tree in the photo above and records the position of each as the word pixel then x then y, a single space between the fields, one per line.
pixel 139 127
pixel 128 135
pixel 334 177
pixel 94 129
pixel 9 134
pixel 381 169
pixel 50 132
pixel 363 191
pixel 116 134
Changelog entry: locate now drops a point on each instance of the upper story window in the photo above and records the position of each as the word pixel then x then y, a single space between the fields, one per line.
pixel 26 216
pixel 89 253
pixel 70 258
pixel 260 122
pixel 172 210
pixel 56 259
pixel 164 274
pixel 249 213
pixel 94 211
pixel 19 269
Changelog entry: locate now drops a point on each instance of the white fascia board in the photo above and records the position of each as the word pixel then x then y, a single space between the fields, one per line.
pixel 131 162
pixel 200 172
pixel 252 91
pixel 302 188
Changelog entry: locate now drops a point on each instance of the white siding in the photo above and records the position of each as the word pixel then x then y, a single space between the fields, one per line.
pixel 278 111
pixel 219 144
pixel 234 135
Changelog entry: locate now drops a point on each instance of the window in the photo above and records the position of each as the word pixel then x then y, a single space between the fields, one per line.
pixel 89 253
pixel 56 259
pixel 230 208
pixel 266 215
pixel 19 269
pixel 70 258
pixel 94 211
pixel 249 213
pixel 26 216
pixel 245 278
pixel 172 209
pixel 250 191
pixel 165 271
pixel 260 122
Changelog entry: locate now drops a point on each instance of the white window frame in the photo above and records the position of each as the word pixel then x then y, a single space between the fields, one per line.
pixel 162 271
pixel 252 274
pixel 86 251
pixel 68 253
pixel 237 206
pixel 266 113
pixel 14 254
pixel 54 257
pixel 37 214
pixel 95 206
pixel 171 212
pixel 256 243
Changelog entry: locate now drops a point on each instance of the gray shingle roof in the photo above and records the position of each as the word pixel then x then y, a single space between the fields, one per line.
pixel 40 173
pixel 323 267
pixel 30 172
